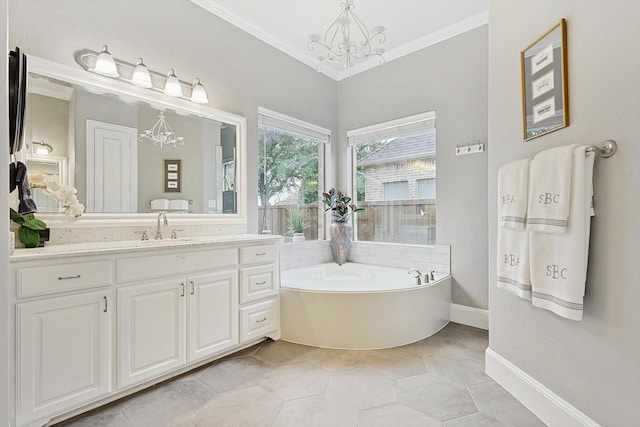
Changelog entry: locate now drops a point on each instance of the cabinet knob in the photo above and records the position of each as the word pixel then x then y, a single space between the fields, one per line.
pixel 264 282
pixel 261 320
pixel 106 304
pixel 193 287
pixel 182 285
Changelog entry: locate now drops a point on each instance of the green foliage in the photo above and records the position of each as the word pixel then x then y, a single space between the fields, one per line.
pixel 29 227
pixel 287 163
pixel 297 219
pixel 341 205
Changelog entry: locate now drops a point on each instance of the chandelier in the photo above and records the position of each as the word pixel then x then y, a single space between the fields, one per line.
pixel 161 134
pixel 342 43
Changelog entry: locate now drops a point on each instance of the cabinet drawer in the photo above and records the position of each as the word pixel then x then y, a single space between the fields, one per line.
pixel 258 254
pixel 162 265
pixel 257 320
pixel 258 283
pixel 32 281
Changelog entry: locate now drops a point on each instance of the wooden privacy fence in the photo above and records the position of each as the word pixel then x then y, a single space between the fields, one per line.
pixel 406 221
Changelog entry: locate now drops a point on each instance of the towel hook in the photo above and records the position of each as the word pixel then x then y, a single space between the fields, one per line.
pixel 605 150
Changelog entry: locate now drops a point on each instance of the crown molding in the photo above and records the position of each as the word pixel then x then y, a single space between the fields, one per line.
pixel 460 27
pixel 240 22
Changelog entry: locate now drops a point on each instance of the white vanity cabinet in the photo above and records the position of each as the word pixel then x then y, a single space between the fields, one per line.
pixel 63 339
pixel 259 277
pixel 64 347
pixel 97 326
pixel 163 325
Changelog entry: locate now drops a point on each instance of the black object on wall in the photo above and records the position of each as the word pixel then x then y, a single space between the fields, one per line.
pixel 17 98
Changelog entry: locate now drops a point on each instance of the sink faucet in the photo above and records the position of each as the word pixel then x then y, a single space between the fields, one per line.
pixel 161 215
pixel 418 277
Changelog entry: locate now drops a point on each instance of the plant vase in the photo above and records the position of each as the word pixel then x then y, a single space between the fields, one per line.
pixel 340 233
pixel 298 237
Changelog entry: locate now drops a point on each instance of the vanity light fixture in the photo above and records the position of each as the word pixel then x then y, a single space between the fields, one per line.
pixel 139 75
pixel 105 64
pixel 43 149
pixel 161 134
pixel 346 42
pixel 172 85
pixel 198 92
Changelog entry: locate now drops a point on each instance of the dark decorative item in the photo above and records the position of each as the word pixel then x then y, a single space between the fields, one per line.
pixel 544 83
pixel 340 230
pixel 172 176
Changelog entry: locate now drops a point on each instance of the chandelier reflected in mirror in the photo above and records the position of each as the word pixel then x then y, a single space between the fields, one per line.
pixel 347 39
pixel 161 134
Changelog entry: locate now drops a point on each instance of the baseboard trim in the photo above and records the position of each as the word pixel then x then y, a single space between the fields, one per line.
pixel 469 316
pixel 545 404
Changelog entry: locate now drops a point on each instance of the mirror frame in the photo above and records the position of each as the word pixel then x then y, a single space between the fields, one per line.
pixel 95 82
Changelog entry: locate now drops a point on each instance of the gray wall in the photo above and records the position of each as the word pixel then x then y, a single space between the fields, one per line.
pixel 593 364
pixel 47 120
pixel 450 78
pixel 239 71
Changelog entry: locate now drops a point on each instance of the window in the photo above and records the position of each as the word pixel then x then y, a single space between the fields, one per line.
pixel 290 176
pixel 395 190
pixel 394 179
pixel 427 188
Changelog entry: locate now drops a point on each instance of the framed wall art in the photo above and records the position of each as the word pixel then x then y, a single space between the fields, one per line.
pixel 172 175
pixel 544 83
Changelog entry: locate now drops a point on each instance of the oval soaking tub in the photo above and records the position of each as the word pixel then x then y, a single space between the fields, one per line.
pixel 359 306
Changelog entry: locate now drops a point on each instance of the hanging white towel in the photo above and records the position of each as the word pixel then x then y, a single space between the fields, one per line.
pixel 513 262
pixel 559 261
pixel 549 190
pixel 513 180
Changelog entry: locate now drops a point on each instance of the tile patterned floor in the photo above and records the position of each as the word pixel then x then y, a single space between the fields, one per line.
pixel 437 382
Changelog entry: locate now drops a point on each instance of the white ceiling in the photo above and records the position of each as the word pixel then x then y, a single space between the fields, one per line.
pixel 410 24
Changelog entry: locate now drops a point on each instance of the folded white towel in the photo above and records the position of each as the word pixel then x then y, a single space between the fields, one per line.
pixel 513 262
pixel 513 179
pixel 549 190
pixel 559 261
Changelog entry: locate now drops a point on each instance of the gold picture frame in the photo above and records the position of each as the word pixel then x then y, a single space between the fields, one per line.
pixel 545 99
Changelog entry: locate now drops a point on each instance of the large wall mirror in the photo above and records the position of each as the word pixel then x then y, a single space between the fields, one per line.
pixel 90 131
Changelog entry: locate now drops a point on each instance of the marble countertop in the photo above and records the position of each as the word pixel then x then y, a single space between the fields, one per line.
pixel 111 247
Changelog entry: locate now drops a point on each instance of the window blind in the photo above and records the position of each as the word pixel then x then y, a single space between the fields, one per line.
pixel 393 128
pixel 295 126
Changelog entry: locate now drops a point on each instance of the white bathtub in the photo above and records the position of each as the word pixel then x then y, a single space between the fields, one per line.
pixel 359 306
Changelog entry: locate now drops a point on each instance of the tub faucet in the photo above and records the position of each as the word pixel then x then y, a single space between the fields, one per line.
pixel 432 278
pixel 161 215
pixel 418 277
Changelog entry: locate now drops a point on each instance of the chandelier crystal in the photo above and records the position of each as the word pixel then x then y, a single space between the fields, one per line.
pixel 347 39
pixel 161 134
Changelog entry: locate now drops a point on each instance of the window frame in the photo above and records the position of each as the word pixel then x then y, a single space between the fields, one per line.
pixel 305 129
pixel 383 130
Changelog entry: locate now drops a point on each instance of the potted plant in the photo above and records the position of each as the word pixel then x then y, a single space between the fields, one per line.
pixel 340 230
pixel 297 223
pixel 30 228
pixel 33 232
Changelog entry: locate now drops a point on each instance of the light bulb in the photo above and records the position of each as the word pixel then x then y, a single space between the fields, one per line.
pixel 172 86
pixel 141 76
pixel 105 64
pixel 198 93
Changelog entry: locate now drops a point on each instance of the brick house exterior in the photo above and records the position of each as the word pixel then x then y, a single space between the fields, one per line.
pixel 409 158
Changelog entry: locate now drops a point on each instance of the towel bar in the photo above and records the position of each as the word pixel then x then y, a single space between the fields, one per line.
pixel 607 149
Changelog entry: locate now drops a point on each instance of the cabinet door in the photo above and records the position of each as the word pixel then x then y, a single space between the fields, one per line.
pixel 213 313
pixel 151 330
pixel 64 353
